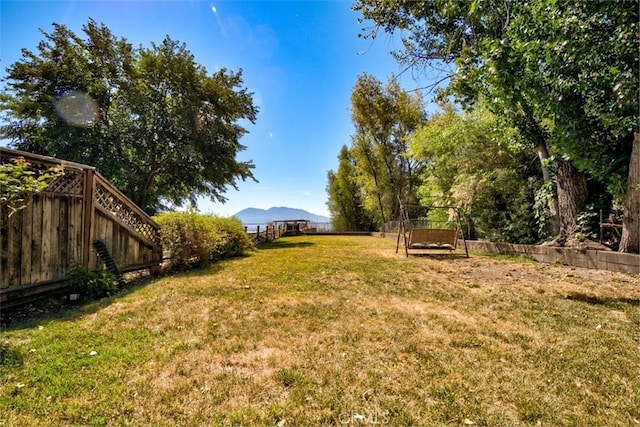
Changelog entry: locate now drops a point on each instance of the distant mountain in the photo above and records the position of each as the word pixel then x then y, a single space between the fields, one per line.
pixel 262 216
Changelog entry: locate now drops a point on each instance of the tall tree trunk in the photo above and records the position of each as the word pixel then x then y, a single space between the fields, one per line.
pixel 388 159
pixel 142 198
pixel 374 174
pixel 572 196
pixel 630 241
pixel 531 129
pixel 552 200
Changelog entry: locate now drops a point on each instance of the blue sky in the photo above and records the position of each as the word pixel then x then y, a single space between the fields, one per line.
pixel 300 58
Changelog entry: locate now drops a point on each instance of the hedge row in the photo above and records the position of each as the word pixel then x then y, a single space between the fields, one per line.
pixel 195 239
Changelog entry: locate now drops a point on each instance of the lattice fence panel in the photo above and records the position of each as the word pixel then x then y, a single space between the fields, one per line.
pixel 70 183
pixel 125 214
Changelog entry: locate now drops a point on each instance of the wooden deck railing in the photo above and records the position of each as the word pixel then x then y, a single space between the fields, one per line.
pixel 264 234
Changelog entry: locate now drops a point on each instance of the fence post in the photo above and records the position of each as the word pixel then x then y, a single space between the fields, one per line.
pixel 258 233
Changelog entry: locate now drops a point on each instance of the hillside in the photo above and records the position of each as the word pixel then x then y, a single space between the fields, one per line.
pixel 263 216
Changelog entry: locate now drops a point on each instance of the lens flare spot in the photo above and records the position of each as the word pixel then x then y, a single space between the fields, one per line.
pixel 77 108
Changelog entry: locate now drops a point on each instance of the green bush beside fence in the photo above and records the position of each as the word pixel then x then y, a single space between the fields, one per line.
pixel 195 239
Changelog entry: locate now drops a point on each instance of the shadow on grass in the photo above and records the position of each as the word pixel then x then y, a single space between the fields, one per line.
pixel 438 256
pixel 593 300
pixel 284 244
pixel 58 308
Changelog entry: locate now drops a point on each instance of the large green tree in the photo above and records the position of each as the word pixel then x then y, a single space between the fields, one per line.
pixel 384 117
pixel 483 168
pixel 581 60
pixel 345 196
pixel 152 120
pixel 565 73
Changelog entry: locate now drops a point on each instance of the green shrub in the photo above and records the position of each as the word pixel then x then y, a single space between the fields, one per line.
pixel 195 239
pixel 187 235
pixel 91 285
pixel 233 240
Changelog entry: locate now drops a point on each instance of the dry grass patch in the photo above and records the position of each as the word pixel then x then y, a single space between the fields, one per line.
pixel 337 330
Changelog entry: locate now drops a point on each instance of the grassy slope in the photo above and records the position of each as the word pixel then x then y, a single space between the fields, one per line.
pixel 330 330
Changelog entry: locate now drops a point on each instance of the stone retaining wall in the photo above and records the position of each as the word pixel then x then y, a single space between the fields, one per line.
pixel 601 260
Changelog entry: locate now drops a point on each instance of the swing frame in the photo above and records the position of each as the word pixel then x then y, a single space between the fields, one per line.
pixel 429 238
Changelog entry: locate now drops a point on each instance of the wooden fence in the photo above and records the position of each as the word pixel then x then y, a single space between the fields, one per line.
pixel 57 229
pixel 278 228
pixel 265 234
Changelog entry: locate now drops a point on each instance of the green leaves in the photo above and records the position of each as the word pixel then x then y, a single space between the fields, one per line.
pixel 91 285
pixel 195 239
pixel 582 75
pixel 384 116
pixel 346 195
pixel 565 74
pixel 157 121
pixel 480 167
pixel 18 182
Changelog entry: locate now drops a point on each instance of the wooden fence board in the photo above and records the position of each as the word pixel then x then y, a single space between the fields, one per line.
pixel 114 242
pixel 27 239
pixel 124 247
pixel 15 233
pixel 73 235
pixel 46 239
pixel 37 274
pixel 4 248
pixel 108 233
pixel 63 236
pixel 39 244
pixel 136 249
pixel 54 246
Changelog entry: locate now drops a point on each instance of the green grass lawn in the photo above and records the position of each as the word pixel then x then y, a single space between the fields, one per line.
pixel 332 330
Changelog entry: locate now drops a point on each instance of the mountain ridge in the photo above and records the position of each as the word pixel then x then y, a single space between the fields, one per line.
pixel 263 216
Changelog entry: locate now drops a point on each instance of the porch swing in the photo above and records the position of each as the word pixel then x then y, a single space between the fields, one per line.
pixel 426 236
